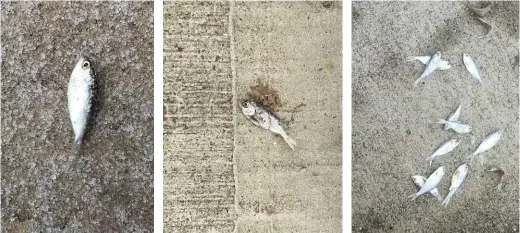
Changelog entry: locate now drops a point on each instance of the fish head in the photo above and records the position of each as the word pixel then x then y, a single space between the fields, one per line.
pixel 465 58
pixel 418 180
pixel 455 142
pixel 439 172
pixel 83 68
pixel 464 168
pixel 248 107
pixel 467 128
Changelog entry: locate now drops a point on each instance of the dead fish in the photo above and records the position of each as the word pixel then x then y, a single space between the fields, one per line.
pixel 487 25
pixel 79 95
pixel 456 126
pixel 262 118
pixel 419 181
pixel 432 63
pixel 489 142
pixel 501 174
pixel 480 11
pixel 453 117
pixel 471 67
pixel 456 181
pixel 445 148
pixel 430 183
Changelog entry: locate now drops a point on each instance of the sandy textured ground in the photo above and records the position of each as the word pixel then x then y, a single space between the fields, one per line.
pixel 109 186
pixel 393 127
pixel 221 172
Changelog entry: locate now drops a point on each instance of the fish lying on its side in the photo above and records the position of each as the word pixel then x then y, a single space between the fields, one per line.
pixel 262 118
pixel 430 183
pixel 79 95
pixel 456 181
pixel 471 67
pixel 453 117
pixel 419 181
pixel 489 142
pixel 445 148
pixel 432 63
pixel 456 126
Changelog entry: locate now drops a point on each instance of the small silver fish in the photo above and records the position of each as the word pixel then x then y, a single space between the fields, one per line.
pixel 456 181
pixel 489 142
pixel 419 181
pixel 471 67
pixel 456 126
pixel 79 95
pixel 445 148
pixel 262 118
pixel 430 183
pixel 454 117
pixel 432 63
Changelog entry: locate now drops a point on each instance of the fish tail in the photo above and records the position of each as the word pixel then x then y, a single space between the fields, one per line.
pixel 418 81
pixel 442 121
pixel 447 199
pixel 430 159
pixel 289 141
pixel 413 196
pixel 439 197
pixel 410 58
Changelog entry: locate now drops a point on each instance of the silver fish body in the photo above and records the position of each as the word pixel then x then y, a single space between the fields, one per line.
pixel 262 118
pixel 432 63
pixel 79 95
pixel 431 183
pixel 456 126
pixel 471 67
pixel 445 148
pixel 456 181
pixel 419 181
pixel 489 142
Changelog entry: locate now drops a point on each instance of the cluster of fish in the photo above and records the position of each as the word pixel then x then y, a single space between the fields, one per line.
pixel 429 185
pixel 436 62
pixel 265 119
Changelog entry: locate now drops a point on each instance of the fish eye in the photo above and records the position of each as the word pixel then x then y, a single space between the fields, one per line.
pixel 85 65
pixel 245 104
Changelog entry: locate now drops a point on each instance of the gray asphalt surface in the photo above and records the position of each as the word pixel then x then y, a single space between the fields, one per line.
pixel 45 186
pixel 393 122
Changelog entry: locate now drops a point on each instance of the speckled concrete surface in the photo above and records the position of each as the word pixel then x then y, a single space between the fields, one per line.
pixel 45 186
pixel 393 122
pixel 296 48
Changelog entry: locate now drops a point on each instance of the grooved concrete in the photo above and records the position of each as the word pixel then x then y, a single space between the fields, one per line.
pixel 393 122
pixel 198 118
pixel 46 187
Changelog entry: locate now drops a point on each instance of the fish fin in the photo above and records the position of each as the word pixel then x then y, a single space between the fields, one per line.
pixel 413 196
pixel 289 140
pixel 443 65
pixel 442 121
pixel 482 160
pixel 423 59
pixel 447 199
pixel 418 81
pixel 430 159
